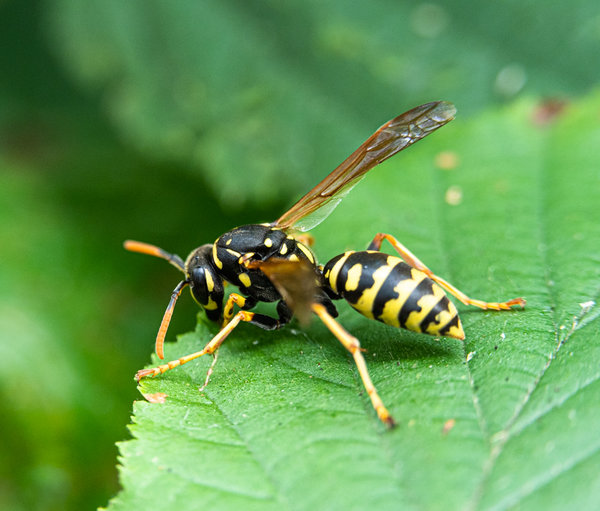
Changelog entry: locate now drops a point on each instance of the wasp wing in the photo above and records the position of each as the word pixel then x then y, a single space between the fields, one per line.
pixel 392 137
pixel 296 281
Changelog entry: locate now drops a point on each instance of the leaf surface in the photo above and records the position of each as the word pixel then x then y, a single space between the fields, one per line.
pixel 508 419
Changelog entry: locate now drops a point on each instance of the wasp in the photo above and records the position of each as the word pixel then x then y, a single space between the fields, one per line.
pixel 273 262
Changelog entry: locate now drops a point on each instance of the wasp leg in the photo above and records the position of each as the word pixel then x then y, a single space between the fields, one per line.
pixel 210 370
pixel 261 320
pixel 414 261
pixel 305 238
pixel 268 323
pixel 242 302
pixel 210 348
pixel 353 346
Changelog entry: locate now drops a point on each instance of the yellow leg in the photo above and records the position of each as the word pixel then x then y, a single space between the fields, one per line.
pixel 353 346
pixel 211 347
pixel 236 299
pixel 210 370
pixel 414 261
pixel 305 238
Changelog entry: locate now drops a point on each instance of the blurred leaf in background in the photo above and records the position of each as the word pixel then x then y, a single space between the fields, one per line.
pixel 172 122
pixel 255 92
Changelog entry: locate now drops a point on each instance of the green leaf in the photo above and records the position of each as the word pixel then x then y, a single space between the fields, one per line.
pixel 247 93
pixel 508 419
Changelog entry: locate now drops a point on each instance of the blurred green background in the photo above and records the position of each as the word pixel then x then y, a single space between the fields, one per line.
pixel 171 122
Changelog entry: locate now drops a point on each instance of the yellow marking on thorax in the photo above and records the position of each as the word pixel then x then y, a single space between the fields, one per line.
pixel 365 303
pixel 426 303
pixel 283 250
pixel 245 279
pixel 307 252
pixel 233 252
pixel 404 288
pixel 333 275
pixel 293 257
pixel 216 259
pixel 228 242
pixel 268 242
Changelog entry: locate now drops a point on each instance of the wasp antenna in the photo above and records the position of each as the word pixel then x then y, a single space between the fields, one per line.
pixel 164 324
pixel 153 250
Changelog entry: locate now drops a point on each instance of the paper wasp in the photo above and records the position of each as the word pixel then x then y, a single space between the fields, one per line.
pixel 273 263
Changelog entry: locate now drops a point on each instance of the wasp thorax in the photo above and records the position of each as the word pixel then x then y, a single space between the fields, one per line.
pixel 234 252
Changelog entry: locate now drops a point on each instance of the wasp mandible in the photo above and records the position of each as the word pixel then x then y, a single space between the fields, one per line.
pixel 273 262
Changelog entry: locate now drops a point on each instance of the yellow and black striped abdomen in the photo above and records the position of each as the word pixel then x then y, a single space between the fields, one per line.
pixel 385 288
